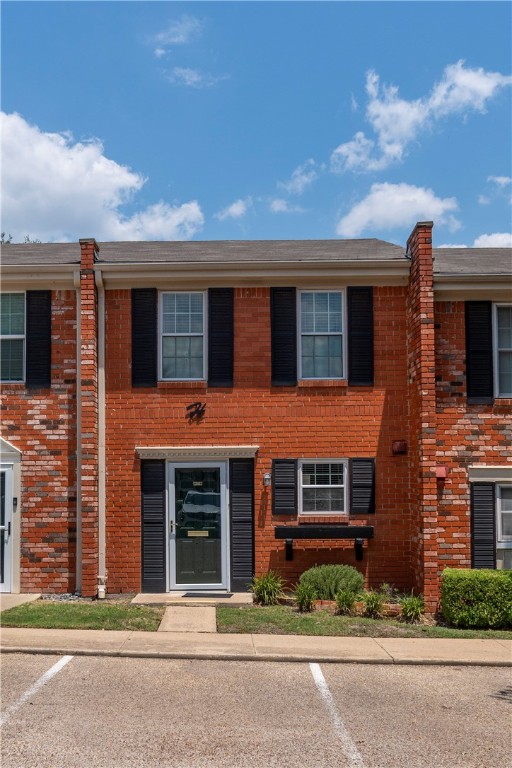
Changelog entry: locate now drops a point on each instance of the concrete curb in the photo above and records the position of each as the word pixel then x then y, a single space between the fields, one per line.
pixel 281 658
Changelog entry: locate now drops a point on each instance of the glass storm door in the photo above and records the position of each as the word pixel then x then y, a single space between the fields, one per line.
pixel 197 526
pixel 5 528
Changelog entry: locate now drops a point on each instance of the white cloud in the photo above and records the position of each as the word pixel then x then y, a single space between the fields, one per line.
pixel 397 122
pixel 278 205
pixel 495 240
pixel 193 78
pixel 302 177
pixel 452 245
pixel 57 189
pixel 483 200
pixel 179 32
pixel 397 205
pixel 234 211
pixel 501 181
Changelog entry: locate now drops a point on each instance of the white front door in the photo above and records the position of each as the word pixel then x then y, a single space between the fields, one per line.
pixel 198 522
pixel 5 528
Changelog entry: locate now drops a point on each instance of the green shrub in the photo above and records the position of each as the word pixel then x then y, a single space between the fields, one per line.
pixel 305 594
pixel 327 580
pixel 372 602
pixel 345 600
pixel 412 608
pixel 268 588
pixel 477 598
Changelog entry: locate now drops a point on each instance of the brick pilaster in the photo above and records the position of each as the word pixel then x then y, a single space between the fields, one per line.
pixel 89 416
pixel 422 413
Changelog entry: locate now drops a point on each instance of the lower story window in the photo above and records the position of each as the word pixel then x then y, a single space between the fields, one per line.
pixel 504 526
pixel 322 487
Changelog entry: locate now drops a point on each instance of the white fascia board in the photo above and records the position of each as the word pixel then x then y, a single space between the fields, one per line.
pixel 465 287
pixel 254 274
pixel 17 277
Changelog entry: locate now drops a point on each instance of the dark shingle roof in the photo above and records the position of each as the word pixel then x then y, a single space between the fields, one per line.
pixel 41 253
pixel 472 261
pixel 179 252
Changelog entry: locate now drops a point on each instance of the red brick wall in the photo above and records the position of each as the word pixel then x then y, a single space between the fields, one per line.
pixel 466 435
pixel 42 425
pixel 311 420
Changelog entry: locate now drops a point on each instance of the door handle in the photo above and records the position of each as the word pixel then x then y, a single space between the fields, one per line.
pixel 9 528
pixel 171 526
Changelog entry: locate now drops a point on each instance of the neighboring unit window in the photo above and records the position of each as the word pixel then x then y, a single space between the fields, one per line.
pixel 504 526
pixel 12 336
pixel 321 335
pixel 503 347
pixel 182 328
pixel 322 487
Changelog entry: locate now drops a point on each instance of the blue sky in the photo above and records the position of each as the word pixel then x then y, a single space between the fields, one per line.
pixel 257 120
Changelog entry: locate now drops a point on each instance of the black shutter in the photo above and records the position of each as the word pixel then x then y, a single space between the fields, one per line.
pixel 483 526
pixel 39 339
pixel 241 483
pixel 479 368
pixel 153 525
pixel 362 486
pixel 284 487
pixel 360 336
pixel 283 323
pixel 144 337
pixel 220 337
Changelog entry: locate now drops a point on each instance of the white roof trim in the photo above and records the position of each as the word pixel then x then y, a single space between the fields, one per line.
pixel 188 452
pixel 9 452
pixel 485 474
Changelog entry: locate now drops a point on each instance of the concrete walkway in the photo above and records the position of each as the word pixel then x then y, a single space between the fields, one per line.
pixel 293 648
pixel 9 600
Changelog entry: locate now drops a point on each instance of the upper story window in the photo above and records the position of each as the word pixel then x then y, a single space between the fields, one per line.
pixel 321 335
pixel 503 349
pixel 182 347
pixel 12 336
pixel 504 526
pixel 322 487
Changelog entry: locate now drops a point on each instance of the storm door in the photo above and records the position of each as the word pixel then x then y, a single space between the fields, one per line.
pixel 5 528
pixel 197 526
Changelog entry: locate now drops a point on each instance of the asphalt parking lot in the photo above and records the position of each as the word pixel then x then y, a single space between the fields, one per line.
pixel 138 713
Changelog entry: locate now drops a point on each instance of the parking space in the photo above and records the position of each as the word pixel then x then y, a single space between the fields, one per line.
pixel 115 713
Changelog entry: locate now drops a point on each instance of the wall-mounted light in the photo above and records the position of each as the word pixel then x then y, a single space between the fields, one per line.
pixel 267 479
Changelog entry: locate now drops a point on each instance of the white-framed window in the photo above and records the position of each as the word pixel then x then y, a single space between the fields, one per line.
pixel 12 336
pixel 503 349
pixel 322 486
pixel 321 330
pixel 504 526
pixel 182 335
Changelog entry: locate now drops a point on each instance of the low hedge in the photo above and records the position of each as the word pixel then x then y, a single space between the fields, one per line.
pixel 477 598
pixel 327 580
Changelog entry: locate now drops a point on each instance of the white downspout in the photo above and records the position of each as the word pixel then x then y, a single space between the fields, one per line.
pixel 102 565
pixel 76 281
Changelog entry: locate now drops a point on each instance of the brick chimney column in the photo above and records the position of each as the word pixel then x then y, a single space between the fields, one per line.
pixel 422 413
pixel 88 437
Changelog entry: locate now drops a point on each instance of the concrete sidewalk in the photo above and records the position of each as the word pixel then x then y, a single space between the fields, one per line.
pixel 293 648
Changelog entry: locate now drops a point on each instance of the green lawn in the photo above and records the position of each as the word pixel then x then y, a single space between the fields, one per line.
pixel 83 615
pixel 285 620
pixel 275 620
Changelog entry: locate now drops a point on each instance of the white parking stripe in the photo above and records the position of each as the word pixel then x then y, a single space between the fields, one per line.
pixel 10 711
pixel 350 750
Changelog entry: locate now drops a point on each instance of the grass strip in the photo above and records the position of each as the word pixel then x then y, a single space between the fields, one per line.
pixel 44 614
pixel 285 620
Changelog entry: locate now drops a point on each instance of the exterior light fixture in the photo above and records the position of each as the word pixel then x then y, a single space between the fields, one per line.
pixel 267 479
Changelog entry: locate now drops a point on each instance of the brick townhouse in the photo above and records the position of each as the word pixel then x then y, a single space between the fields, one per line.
pixel 182 415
